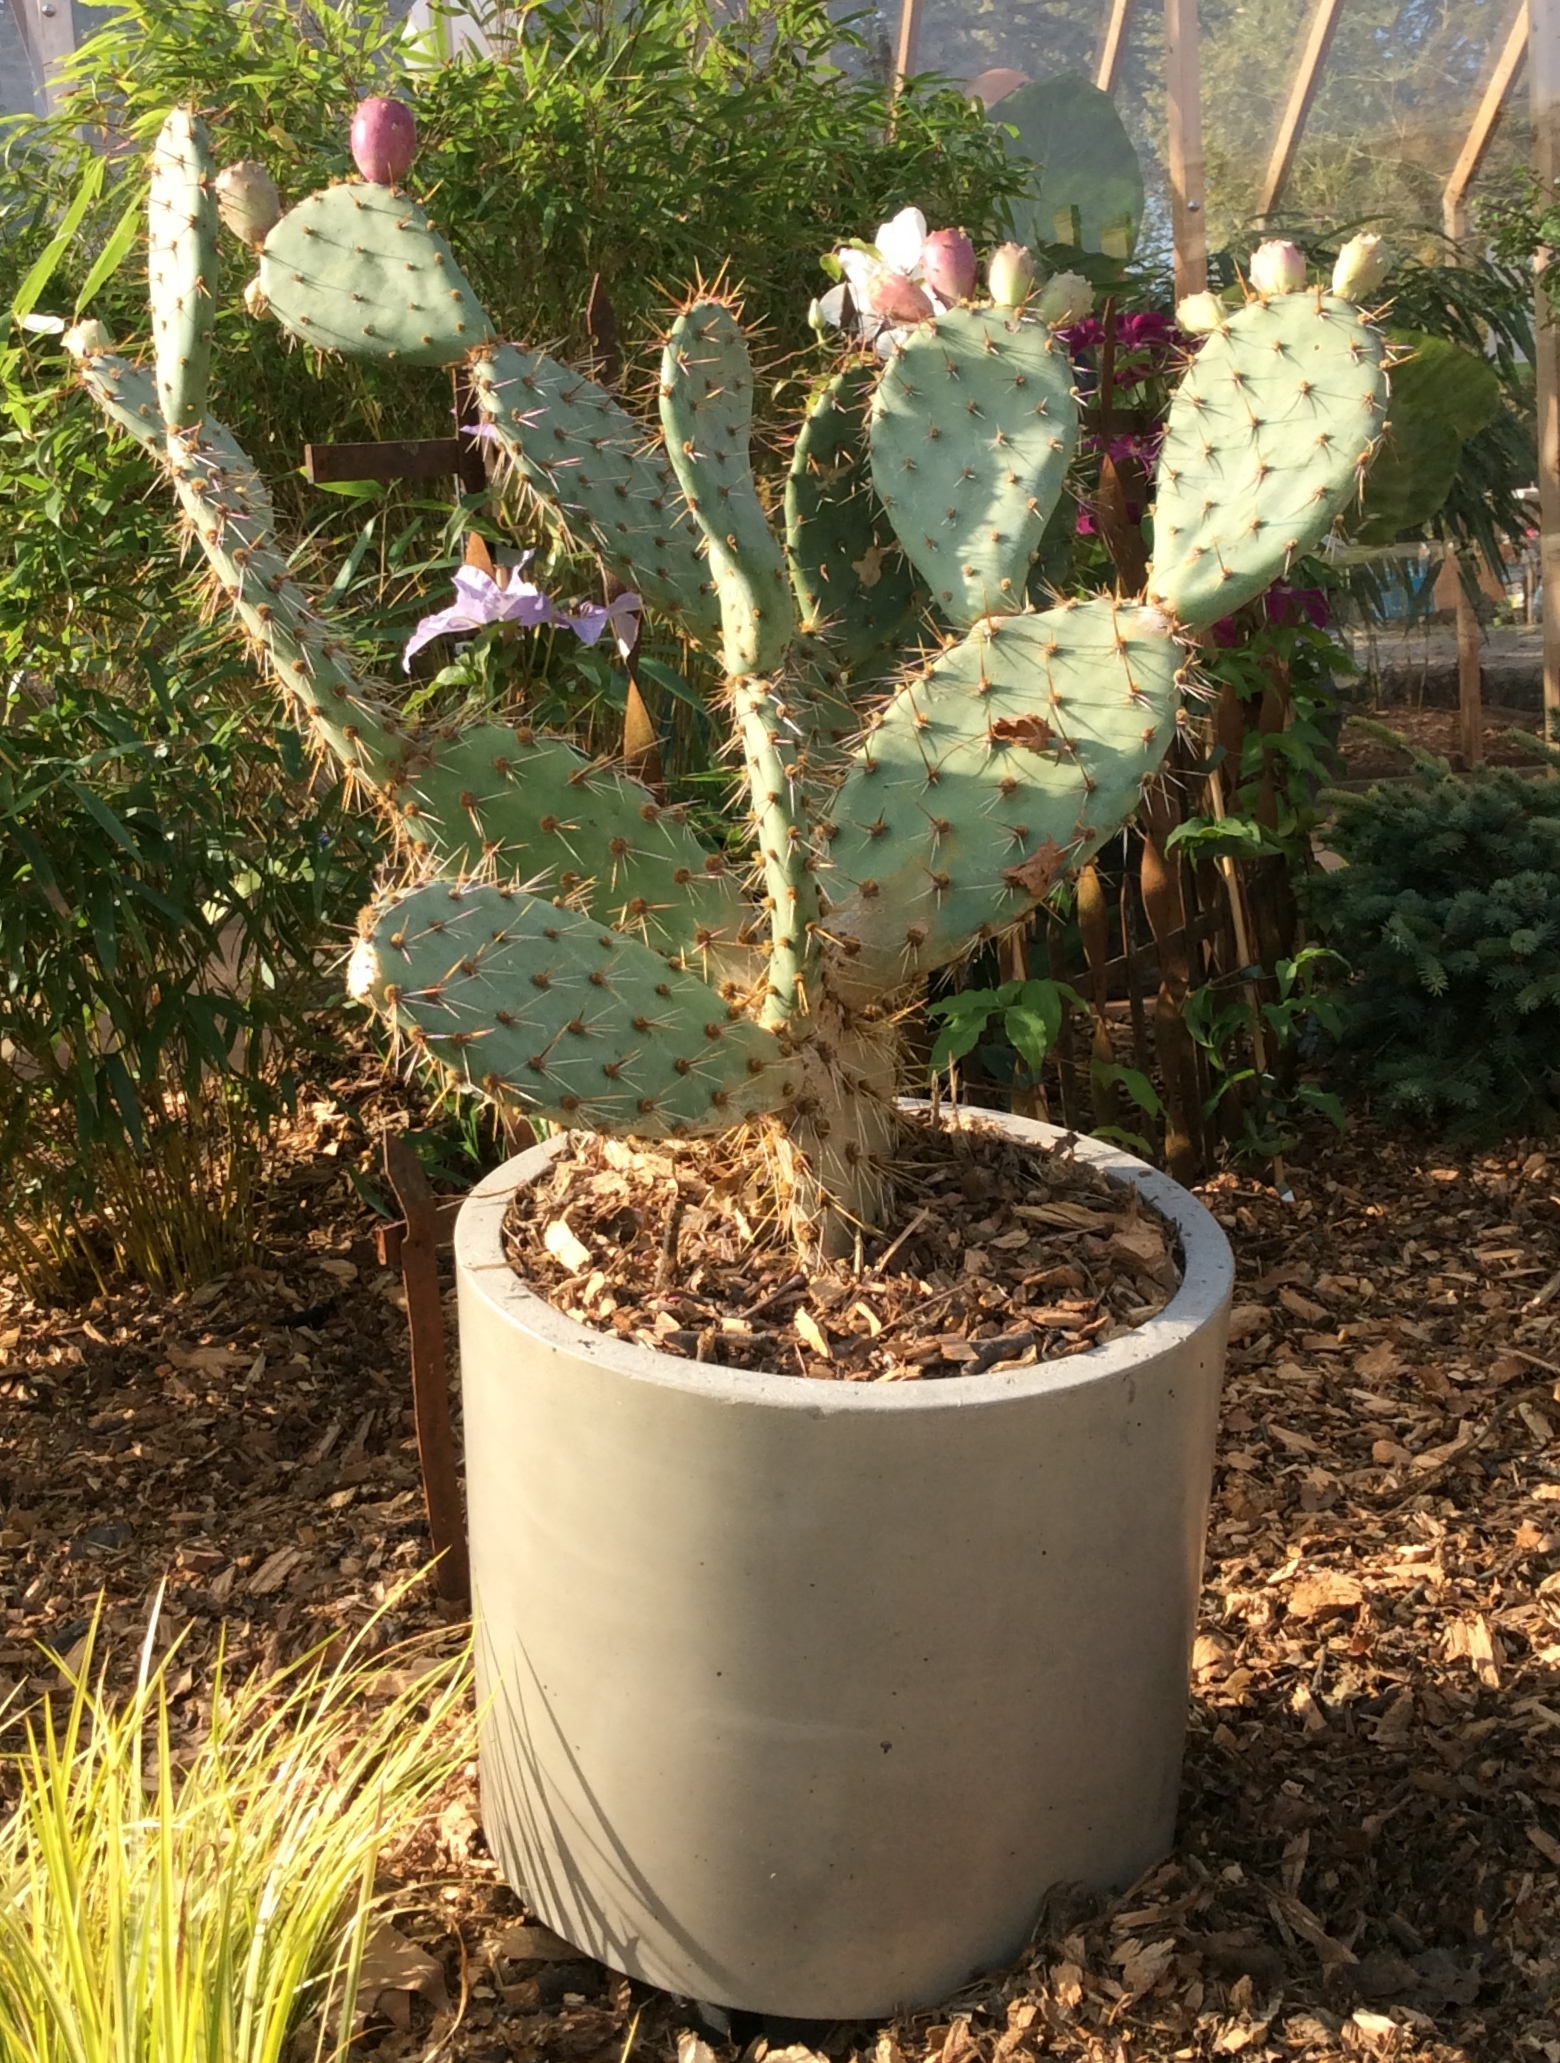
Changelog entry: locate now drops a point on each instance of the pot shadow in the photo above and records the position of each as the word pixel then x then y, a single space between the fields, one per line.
pixel 524 1831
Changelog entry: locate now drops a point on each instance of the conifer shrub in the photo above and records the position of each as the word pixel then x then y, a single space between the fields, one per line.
pixel 1448 909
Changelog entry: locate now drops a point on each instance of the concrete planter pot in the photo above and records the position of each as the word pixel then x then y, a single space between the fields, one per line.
pixel 798 1696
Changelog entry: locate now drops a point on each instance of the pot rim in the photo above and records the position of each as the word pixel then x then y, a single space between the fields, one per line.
pixel 1208 1274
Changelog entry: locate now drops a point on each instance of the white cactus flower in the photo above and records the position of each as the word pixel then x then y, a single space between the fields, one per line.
pixel 901 242
pixel 860 268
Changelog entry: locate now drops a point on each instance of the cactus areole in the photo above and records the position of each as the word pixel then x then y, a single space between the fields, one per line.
pixel 384 140
pixel 563 942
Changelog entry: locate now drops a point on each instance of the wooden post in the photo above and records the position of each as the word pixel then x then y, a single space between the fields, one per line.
pixel 1470 677
pixel 1454 198
pixel 1297 111
pixel 1454 221
pixel 1113 44
pixel 419 1244
pixel 1544 100
pixel 48 29
pixel 909 41
pixel 1188 225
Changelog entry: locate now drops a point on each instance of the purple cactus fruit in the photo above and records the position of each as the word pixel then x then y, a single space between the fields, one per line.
pixel 948 264
pixel 384 140
pixel 897 299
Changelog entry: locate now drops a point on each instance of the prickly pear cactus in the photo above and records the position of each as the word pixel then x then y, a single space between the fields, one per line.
pixel 360 269
pixel 560 940
pixel 1267 439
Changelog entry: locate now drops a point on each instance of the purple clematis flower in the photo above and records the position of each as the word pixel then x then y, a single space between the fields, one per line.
pixel 479 601
pixel 589 619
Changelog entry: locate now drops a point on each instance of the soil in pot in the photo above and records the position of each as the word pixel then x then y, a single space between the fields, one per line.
pixel 1002 1255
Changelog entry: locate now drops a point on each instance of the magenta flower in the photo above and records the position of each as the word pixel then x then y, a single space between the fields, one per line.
pixel 479 601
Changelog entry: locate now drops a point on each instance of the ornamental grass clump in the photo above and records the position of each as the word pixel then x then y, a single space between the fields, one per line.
pixel 209 1898
pixel 926 748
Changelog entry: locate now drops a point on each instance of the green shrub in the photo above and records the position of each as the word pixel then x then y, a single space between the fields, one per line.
pixel 1449 910
pixel 168 912
pixel 647 144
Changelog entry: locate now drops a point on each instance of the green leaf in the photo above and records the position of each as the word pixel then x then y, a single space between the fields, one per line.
pixel 44 269
pixel 670 679
pixel 1211 838
pixel 113 253
pixel 1441 396
pixel 956 1038
pixel 96 807
pixel 1325 1101
pixel 1086 189
pixel 1137 1085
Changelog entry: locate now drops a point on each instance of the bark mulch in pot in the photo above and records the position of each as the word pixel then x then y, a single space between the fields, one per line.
pixel 1000 1255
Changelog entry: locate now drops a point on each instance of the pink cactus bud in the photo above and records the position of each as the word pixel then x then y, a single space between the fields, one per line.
pixel 1011 275
pixel 897 299
pixel 384 140
pixel 948 264
pixel 1277 268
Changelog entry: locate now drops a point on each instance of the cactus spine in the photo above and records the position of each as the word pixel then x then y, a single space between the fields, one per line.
pixel 568 946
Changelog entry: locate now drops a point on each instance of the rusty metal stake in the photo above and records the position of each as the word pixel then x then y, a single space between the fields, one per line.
pixel 419 1244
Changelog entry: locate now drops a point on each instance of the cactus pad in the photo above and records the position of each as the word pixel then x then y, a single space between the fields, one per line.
pixel 591 464
pixel 181 265
pixel 851 578
pixel 1011 759
pixel 360 269
pixel 973 428
pixel 520 805
pixel 127 395
pixel 707 418
pixel 1267 436
pixel 544 1009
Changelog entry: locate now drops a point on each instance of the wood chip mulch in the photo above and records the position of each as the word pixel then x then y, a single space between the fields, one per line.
pixel 999 1256
pixel 1369 1853
pixel 1434 730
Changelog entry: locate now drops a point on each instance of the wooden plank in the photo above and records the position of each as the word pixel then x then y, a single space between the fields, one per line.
pixel 909 41
pixel 1183 83
pixel 1113 44
pixel 430 1372
pixel 1297 111
pixel 1454 199
pixel 407 458
pixel 48 28
pixel 1544 102
pixel 389 1237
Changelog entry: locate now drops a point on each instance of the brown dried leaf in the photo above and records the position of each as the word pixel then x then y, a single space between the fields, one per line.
pixel 528 1941
pixel 1246 1320
pixel 394 1971
pixel 1303 1307
pixel 1030 731
pixel 1038 874
pixel 1546 1844
pixel 1327 1592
